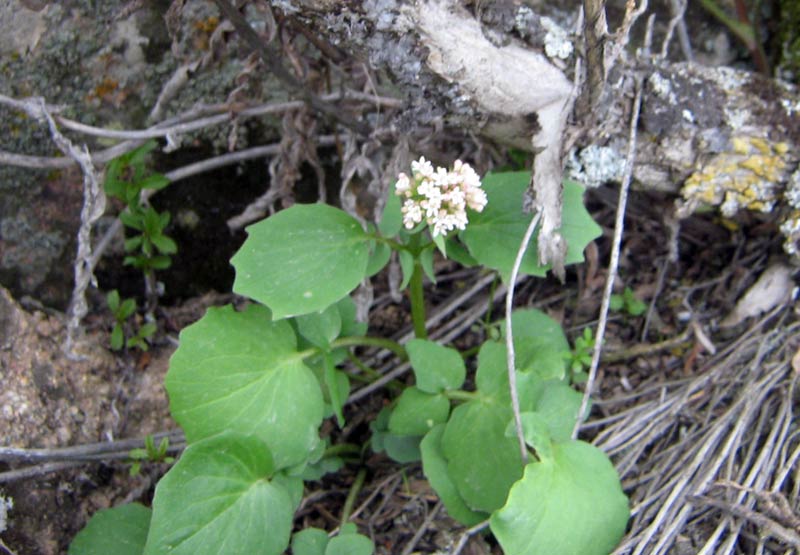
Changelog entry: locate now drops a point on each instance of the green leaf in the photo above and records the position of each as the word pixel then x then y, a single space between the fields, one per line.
pixel 417 412
pixel 152 222
pixel 311 541
pixel 536 433
pixel 392 219
pixel 539 343
pixel 121 531
pixel 616 303
pixel 572 503
pixel 127 308
pixel 456 251
pixel 132 220
pixel 435 467
pixel 378 259
pixel 347 313
pixel 441 243
pixel 159 262
pixel 240 371
pixel 436 368
pixel 334 382
pixel 117 337
pixel 302 259
pixel 317 470
pixel 133 243
pixel 350 544
pixel 558 406
pixel 493 236
pixel 402 449
pixel 218 498
pixel 406 260
pixel 320 328
pixel 482 461
pixel 114 186
pixel 112 300
pixel 164 244
pixel 155 182
pixel 426 261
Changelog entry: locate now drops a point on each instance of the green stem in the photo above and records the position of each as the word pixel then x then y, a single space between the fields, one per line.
pixel 352 494
pixel 365 341
pixel 459 395
pixel 418 301
pixel 342 449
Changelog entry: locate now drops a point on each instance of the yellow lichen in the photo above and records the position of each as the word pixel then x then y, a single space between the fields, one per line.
pixel 745 177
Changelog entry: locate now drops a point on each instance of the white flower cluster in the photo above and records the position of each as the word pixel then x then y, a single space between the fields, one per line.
pixel 440 197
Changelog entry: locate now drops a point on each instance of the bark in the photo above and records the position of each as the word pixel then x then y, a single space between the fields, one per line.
pixel 492 77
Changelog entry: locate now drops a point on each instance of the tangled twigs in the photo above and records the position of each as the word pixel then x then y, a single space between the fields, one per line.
pixel 94 204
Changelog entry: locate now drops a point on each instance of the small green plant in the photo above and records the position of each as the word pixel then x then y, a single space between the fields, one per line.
pixel 580 357
pixel 150 453
pixel 148 247
pixel 123 310
pixel 628 303
pixel 251 387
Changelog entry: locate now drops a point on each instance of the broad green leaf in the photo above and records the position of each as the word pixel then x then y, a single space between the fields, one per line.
pixel 317 470
pixel 350 325
pixel 492 378
pixel 311 541
pixel 417 412
pixel 240 371
pixel 436 368
pixel 121 530
pixel 350 544
pixel 320 328
pixel 435 467
pixel 293 486
pixel 218 498
pixel 482 462
pixel 493 236
pixel 536 433
pixel 456 251
pixel 302 259
pixel 558 406
pixel 402 449
pixel 539 343
pixel 572 503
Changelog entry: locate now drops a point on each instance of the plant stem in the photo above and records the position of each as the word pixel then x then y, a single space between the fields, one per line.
pixel 342 449
pixel 418 301
pixel 363 340
pixel 460 395
pixel 352 494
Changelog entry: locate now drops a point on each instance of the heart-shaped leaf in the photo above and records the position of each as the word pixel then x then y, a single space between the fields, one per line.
pixel 121 530
pixel 311 541
pixel 302 259
pixel 218 498
pixel 417 412
pixel 436 368
pixel 493 236
pixel 240 371
pixel 435 467
pixel 572 503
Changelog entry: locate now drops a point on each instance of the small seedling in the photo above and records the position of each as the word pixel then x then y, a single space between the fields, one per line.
pixel 580 358
pixel 148 247
pixel 150 453
pixel 627 303
pixel 123 310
